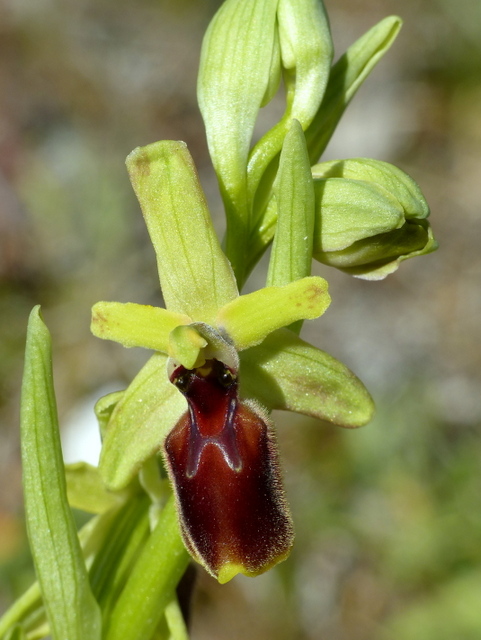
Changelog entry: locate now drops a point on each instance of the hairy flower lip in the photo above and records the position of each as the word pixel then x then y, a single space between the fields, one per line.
pixel 223 463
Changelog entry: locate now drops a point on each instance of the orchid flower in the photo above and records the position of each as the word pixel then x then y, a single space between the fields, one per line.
pixel 223 361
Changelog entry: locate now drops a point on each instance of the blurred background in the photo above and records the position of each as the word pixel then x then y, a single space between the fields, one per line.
pixel 388 517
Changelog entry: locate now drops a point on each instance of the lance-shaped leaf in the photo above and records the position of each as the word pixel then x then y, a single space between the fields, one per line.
pixel 135 325
pixel 147 411
pixel 195 275
pixel 250 318
pixel 71 608
pixel 345 78
pixel 306 53
pixel 291 254
pixel 222 460
pixel 284 372
pixel 239 65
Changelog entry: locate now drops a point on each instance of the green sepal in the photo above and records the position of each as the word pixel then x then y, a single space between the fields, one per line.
pixel 389 250
pixel 351 210
pixel 346 76
pixel 248 319
pixel 71 609
pixel 284 372
pixel 148 410
pixel 135 325
pixel 86 490
pixel 291 254
pixel 195 276
pixel 401 186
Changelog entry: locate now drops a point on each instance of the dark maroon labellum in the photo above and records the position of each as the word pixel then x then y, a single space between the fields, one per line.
pixel 223 463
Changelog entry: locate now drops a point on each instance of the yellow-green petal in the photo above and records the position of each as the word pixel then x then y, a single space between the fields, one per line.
pixel 135 325
pixel 250 318
pixel 185 346
pixel 195 276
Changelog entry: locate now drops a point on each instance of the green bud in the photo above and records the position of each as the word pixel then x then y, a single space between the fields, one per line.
pixel 369 217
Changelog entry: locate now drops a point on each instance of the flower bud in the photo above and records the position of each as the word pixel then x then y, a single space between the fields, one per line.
pixel 369 217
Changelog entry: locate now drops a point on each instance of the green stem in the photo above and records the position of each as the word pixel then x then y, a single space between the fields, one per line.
pixel 152 583
pixel 30 600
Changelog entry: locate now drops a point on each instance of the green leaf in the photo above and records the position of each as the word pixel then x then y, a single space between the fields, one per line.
pixel 86 490
pixel 346 77
pixel 151 585
pixel 291 254
pixel 135 325
pixel 284 372
pixel 248 319
pixel 148 410
pixel 71 608
pixel 195 276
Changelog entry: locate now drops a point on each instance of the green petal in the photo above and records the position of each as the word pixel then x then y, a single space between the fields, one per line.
pixel 71 608
pixel 195 275
pixel 148 410
pixel 135 325
pixel 284 372
pixel 291 254
pixel 250 318
pixel 347 75
pixel 86 490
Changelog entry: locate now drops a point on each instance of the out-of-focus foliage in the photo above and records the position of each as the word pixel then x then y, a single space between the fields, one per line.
pixel 387 518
